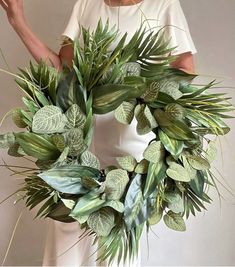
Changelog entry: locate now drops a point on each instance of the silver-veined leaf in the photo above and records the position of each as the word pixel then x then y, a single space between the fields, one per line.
pixel 125 112
pixel 115 183
pixel 178 173
pixel 102 221
pixel 76 117
pixel 154 152
pixel 48 120
pixel 142 166
pixel 174 221
pixel 127 163
pixel 89 159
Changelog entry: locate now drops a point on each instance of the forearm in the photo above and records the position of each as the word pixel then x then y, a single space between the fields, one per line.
pixel 35 46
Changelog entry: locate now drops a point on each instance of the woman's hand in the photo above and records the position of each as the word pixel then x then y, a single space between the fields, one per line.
pixel 184 62
pixel 14 10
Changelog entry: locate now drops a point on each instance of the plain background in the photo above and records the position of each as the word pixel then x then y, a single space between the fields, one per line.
pixel 210 237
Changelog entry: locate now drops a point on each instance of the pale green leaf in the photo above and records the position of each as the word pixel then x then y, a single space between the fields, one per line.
pixel 178 173
pixel 154 152
pixel 127 163
pixel 125 112
pixel 89 159
pixel 174 221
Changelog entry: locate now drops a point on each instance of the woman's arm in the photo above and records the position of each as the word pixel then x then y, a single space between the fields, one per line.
pixel 184 62
pixel 15 13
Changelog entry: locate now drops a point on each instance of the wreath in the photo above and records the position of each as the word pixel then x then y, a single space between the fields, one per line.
pixel 134 80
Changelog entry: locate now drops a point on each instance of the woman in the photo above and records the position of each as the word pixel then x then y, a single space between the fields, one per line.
pixel 111 139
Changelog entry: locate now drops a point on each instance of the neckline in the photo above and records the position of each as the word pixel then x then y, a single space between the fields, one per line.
pixel 123 6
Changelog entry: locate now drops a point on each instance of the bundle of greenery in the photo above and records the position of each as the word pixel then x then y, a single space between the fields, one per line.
pixel 134 80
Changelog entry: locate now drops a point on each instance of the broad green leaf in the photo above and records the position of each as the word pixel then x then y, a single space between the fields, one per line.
pixel 174 146
pixel 174 221
pixel 162 118
pixel 74 140
pixel 89 159
pixel 191 171
pixel 133 201
pixel 127 163
pixel 102 221
pixel 142 167
pixel 156 173
pixel 154 152
pixel 87 204
pixel 125 112
pixel 60 213
pixel 115 183
pixel 67 178
pixel 170 88
pixel 198 162
pixel 7 140
pixel 178 173
pixel 38 146
pixel 69 203
pixel 116 205
pixel 89 182
pixel 145 119
pixel 174 202
pixel 76 117
pixel 48 120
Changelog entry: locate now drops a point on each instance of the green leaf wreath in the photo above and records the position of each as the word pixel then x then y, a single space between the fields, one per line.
pixel 134 80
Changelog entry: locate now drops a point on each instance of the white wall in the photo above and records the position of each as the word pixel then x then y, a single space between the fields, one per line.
pixel 210 237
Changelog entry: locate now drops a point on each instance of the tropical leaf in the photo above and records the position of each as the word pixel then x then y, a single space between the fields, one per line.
pixel 125 112
pixel 17 118
pixel 48 120
pixel 170 88
pixel 178 173
pixel 74 140
pixel 67 179
pixel 131 69
pixel 87 158
pixel 211 151
pixel 155 216
pixel 102 221
pixel 174 146
pixel 151 92
pixel 115 183
pixel 133 201
pixel 145 119
pixel 76 117
pixel 154 152
pixel 175 111
pixel 115 204
pixel 127 163
pixel 197 183
pixel 174 221
pixel 38 146
pixel 156 173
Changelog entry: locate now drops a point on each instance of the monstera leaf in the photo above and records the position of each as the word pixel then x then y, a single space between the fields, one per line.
pixel 102 221
pixel 76 117
pixel 125 112
pixel 115 183
pixel 48 120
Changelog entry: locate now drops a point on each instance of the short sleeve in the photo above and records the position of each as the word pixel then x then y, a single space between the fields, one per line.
pixel 177 28
pixel 72 30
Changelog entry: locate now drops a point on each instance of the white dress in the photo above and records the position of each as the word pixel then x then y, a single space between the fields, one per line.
pixel 112 139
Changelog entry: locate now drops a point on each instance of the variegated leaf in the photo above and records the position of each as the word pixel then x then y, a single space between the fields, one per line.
pixel 7 140
pixel 174 221
pixel 115 183
pixel 89 159
pixel 127 163
pixel 17 118
pixel 154 152
pixel 170 88
pixel 178 173
pixel 125 112
pixel 175 202
pixel 102 221
pixel 142 166
pixel 151 93
pixel 48 120
pixel 76 117
pixel 198 162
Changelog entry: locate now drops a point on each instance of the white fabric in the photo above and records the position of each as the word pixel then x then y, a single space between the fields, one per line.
pixel 112 139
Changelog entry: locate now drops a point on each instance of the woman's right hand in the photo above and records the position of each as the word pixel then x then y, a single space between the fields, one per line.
pixel 14 10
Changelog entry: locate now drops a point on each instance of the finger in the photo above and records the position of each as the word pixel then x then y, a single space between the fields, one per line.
pixel 3 4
